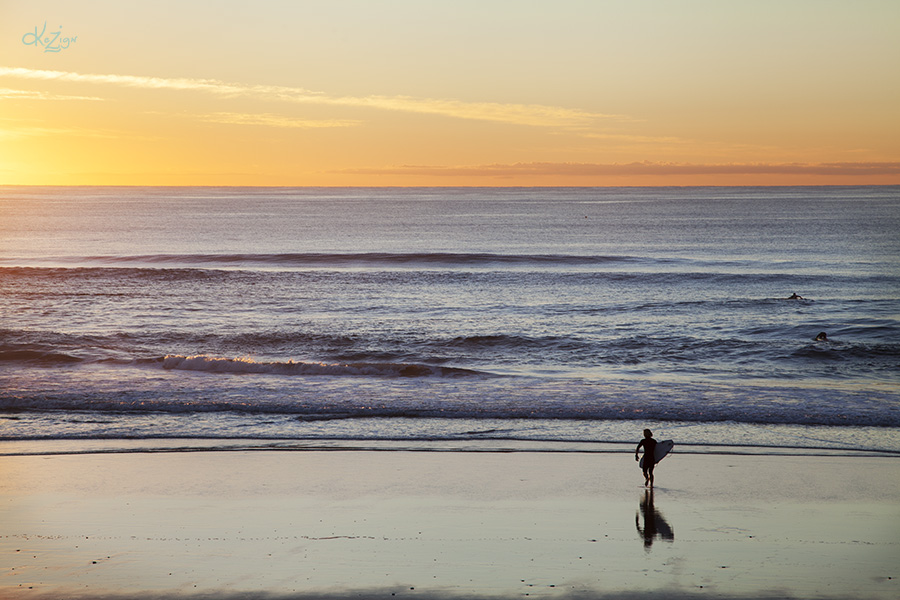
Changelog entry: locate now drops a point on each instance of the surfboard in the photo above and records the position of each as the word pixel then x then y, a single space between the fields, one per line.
pixel 662 449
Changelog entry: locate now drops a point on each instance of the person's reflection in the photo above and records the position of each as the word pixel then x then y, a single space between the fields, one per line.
pixel 655 526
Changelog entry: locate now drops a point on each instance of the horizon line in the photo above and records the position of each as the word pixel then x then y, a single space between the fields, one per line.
pixel 139 185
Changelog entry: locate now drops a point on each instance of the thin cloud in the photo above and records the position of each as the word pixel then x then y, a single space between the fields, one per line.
pixel 271 120
pixel 209 85
pixel 519 114
pixel 637 169
pixel 11 94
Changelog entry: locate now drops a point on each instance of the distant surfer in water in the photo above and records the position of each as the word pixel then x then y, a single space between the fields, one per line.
pixel 795 296
pixel 649 445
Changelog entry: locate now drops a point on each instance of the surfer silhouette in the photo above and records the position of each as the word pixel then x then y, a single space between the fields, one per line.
pixel 649 446
pixel 795 296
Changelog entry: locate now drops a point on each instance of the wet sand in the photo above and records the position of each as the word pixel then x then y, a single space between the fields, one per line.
pixel 365 524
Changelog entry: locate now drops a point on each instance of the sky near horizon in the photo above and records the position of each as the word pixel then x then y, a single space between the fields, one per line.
pixel 391 92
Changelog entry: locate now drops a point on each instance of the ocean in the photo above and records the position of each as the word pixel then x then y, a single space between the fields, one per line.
pixel 450 319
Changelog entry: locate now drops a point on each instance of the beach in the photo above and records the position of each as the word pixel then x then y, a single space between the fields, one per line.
pixel 379 524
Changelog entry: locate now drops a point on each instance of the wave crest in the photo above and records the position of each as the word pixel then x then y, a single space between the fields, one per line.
pixel 244 365
pixel 36 355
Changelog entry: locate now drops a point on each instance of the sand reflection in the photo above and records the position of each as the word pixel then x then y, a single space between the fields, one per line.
pixel 654 525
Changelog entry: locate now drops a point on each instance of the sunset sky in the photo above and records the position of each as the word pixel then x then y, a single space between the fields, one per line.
pixel 450 93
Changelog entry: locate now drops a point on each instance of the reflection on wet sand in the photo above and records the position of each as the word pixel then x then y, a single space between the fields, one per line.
pixel 655 525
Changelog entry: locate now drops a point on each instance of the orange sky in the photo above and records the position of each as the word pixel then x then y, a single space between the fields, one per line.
pixel 449 93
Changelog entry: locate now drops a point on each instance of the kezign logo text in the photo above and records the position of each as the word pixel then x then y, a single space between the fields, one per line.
pixel 50 42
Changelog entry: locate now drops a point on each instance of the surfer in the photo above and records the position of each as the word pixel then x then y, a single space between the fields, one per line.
pixel 649 445
pixel 795 296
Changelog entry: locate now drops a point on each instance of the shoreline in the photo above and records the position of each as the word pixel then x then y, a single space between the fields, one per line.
pixel 350 524
pixel 174 445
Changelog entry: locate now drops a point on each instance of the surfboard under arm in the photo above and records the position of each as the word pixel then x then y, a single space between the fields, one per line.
pixel 662 449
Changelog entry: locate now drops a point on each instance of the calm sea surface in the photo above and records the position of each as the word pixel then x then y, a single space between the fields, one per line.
pixel 568 319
